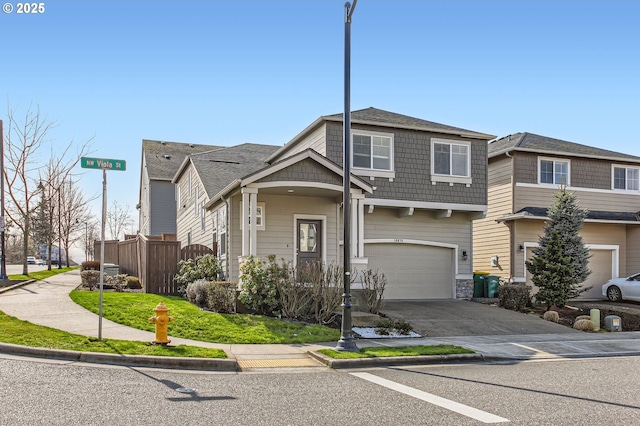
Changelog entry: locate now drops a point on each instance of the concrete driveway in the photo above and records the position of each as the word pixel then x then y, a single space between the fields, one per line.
pixel 449 318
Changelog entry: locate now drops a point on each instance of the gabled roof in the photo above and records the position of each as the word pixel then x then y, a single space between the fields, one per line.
pixel 218 168
pixel 164 158
pixel 377 117
pixel 530 142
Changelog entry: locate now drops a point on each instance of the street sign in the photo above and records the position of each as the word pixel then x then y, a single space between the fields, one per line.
pixel 103 163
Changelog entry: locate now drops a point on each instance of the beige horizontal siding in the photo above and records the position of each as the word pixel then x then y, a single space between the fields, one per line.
pixel 609 201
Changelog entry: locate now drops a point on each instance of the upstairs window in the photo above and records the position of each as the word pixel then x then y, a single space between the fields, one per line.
pixel 372 151
pixel 553 172
pixel 626 178
pixel 450 161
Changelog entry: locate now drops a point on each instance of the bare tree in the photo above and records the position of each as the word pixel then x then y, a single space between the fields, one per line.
pixel 118 220
pixel 75 215
pixel 25 140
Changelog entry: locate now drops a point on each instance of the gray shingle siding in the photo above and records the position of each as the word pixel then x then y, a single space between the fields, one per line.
pixel 412 159
pixel 305 171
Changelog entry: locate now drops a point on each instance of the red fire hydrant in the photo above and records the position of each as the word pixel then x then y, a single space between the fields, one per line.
pixel 162 320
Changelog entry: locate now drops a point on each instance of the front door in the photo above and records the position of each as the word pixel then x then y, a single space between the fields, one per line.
pixel 309 242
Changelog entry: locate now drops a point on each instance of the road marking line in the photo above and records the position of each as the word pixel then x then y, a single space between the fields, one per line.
pixel 538 352
pixel 456 407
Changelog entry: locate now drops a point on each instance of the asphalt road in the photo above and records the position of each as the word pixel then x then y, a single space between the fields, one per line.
pixel 586 391
pixel 17 269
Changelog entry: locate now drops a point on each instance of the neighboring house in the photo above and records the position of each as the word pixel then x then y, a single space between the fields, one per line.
pixel 160 162
pixel 416 186
pixel 525 170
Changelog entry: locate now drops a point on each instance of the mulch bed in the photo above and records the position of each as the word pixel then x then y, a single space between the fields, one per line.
pixel 629 314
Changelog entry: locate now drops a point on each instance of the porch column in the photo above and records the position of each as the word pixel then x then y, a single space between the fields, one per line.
pixel 253 226
pixel 244 217
pixel 356 200
pixel 360 225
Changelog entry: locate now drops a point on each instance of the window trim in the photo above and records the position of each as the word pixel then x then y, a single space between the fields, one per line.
pixel 554 160
pixel 370 171
pixel 195 201
pixel 438 177
pixel 260 227
pixel 202 216
pixel 625 167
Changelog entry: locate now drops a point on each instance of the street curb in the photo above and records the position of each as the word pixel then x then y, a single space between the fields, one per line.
pixel 23 283
pixel 392 360
pixel 208 364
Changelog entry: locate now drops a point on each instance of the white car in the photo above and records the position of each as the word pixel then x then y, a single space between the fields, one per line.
pixel 618 289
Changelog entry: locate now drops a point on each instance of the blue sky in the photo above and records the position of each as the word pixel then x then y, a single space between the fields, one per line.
pixel 229 72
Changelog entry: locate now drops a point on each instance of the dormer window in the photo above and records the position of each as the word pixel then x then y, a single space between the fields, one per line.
pixel 553 172
pixel 372 153
pixel 626 178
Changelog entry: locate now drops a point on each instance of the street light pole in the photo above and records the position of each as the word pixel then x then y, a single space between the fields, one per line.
pixel 3 265
pixel 347 341
pixel 59 229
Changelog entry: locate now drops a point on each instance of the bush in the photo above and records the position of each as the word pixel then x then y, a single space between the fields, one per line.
pixel 205 267
pixel 221 297
pixel 373 284
pixel 90 278
pixel 296 296
pixel 326 289
pixel 584 325
pixel 515 297
pixel 196 292
pixel 580 317
pixel 90 265
pixel 133 283
pixel 259 291
pixel 552 316
pixel 387 326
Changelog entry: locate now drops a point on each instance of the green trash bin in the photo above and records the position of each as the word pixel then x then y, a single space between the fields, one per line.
pixel 491 285
pixel 479 279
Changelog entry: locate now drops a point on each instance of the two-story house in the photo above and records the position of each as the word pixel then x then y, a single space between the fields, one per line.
pixel 160 162
pixel 525 170
pixel 416 187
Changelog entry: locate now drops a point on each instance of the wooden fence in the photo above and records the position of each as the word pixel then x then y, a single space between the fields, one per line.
pixel 153 260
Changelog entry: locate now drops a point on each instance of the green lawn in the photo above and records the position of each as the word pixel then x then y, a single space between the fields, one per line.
pixel 190 322
pixel 378 352
pixel 18 332
pixel 41 275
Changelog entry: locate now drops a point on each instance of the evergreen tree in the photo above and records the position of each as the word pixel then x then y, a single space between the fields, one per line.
pixel 566 219
pixel 552 272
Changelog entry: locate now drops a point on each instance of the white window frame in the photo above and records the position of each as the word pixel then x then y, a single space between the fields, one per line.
pixel 554 161
pixel 261 222
pixel 222 224
pixel 439 177
pixel 370 171
pixel 626 178
pixel 202 221
pixel 178 196
pixel 195 201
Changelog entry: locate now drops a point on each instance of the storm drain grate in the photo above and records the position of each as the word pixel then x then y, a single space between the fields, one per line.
pixel 274 363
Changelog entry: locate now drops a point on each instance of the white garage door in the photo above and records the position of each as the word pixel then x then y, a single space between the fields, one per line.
pixel 601 271
pixel 413 271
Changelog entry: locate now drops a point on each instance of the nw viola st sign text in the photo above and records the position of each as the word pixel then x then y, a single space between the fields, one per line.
pixel 102 163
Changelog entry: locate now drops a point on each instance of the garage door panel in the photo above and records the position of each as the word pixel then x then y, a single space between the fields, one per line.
pixel 413 271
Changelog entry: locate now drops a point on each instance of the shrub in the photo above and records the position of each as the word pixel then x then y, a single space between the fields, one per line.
pixel 133 283
pixel 580 317
pixel 221 297
pixel 373 284
pixel 205 267
pixel 515 297
pixel 90 265
pixel 259 285
pixel 196 292
pixel 90 278
pixel 552 316
pixel 584 325
pixel 326 289
pixel 387 326
pixel 296 296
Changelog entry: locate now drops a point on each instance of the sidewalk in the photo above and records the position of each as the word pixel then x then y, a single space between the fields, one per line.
pixel 47 303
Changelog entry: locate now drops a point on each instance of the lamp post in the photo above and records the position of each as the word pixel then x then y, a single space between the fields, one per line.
pixel 347 341
pixel 3 265
pixel 41 186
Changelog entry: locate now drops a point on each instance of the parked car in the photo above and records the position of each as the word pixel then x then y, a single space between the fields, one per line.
pixel 39 262
pixel 31 260
pixel 618 289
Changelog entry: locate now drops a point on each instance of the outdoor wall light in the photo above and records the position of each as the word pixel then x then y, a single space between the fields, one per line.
pixel 494 261
pixel 521 249
pixel 464 255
